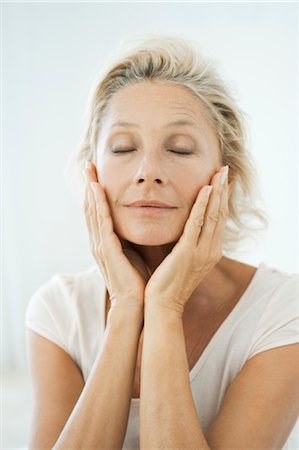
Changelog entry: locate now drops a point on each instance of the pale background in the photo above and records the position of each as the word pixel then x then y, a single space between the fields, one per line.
pixel 51 53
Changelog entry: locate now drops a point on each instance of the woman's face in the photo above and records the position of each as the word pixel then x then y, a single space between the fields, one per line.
pixel 152 170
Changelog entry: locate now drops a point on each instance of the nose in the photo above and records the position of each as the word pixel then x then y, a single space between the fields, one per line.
pixel 150 170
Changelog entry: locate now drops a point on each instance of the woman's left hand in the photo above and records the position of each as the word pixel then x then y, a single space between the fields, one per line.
pixel 197 251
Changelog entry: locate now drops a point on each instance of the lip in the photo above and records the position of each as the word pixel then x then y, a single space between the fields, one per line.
pixel 155 204
pixel 150 211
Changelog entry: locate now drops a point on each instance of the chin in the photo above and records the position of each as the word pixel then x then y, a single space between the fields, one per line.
pixel 150 238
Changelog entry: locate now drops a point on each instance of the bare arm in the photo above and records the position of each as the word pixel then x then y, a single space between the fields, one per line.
pixel 99 417
pixel 169 418
pixel 254 414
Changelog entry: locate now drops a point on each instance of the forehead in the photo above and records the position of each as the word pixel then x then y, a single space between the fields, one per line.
pixel 153 105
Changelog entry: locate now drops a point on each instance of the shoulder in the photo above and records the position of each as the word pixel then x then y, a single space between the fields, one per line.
pixel 64 293
pixel 66 284
pixel 66 305
pixel 264 280
pixel 280 285
pixel 275 297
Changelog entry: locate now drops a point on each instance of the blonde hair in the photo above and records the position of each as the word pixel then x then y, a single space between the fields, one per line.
pixel 172 59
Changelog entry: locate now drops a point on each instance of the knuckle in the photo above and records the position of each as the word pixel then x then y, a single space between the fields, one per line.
pixel 85 206
pixel 198 221
pixel 214 217
pixel 99 216
pixel 88 210
pixel 98 248
pixel 223 213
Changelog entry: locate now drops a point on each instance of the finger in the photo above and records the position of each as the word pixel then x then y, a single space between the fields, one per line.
pixel 217 239
pixel 91 176
pixel 96 235
pixel 90 172
pixel 92 225
pixel 105 224
pixel 95 229
pixel 87 207
pixel 195 221
pixel 212 213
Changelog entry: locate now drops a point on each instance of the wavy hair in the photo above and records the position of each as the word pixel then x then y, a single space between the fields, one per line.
pixel 175 60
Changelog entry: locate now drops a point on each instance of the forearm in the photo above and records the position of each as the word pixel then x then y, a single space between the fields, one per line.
pixel 99 419
pixel 168 417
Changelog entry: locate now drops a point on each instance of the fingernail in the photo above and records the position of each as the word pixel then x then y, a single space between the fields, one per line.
pixel 208 191
pixel 87 165
pixel 225 169
pixel 224 175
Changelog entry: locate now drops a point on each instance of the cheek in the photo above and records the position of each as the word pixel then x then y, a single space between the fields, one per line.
pixel 108 181
pixel 105 170
pixel 191 187
pixel 110 177
pixel 115 180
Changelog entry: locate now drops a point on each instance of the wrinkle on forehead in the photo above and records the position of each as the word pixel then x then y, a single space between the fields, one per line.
pixel 172 100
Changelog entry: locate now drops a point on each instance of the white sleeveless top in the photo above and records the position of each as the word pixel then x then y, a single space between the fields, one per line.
pixel 69 310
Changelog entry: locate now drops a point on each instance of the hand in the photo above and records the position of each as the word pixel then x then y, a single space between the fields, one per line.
pixel 125 281
pixel 197 251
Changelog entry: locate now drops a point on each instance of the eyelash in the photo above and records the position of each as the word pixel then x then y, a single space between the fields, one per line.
pixel 119 150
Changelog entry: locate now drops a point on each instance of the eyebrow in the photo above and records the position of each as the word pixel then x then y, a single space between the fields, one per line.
pixel 171 124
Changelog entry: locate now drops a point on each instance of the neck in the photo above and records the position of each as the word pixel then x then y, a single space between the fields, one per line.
pixel 216 281
pixel 153 255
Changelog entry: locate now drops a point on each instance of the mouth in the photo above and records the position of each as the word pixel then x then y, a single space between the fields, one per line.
pixel 148 211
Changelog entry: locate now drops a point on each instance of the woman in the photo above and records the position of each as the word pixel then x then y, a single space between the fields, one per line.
pixel 162 343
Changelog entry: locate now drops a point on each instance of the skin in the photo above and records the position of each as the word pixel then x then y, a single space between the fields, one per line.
pixel 93 417
pixel 152 171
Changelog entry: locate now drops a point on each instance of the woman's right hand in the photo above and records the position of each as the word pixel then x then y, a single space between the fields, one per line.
pixel 124 280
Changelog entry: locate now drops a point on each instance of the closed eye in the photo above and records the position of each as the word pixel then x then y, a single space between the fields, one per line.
pixel 182 152
pixel 124 150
